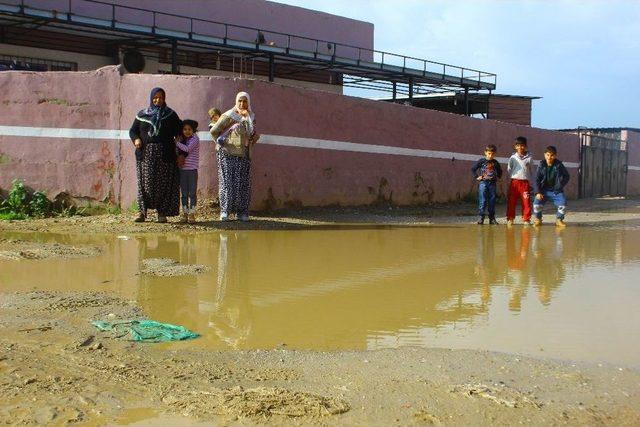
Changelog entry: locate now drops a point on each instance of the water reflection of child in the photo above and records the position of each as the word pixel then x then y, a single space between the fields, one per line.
pixel 517 264
pixel 549 269
pixel 485 269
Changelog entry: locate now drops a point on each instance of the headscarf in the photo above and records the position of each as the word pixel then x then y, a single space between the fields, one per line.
pixel 233 113
pixel 155 114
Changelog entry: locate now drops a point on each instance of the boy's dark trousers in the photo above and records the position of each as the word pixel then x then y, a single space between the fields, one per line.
pixel 487 198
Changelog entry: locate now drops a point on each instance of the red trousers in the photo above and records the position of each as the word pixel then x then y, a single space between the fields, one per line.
pixel 519 190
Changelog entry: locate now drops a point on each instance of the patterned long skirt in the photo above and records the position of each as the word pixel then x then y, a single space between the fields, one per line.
pixel 234 177
pixel 158 182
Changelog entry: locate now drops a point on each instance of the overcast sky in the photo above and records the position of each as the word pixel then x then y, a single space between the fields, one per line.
pixel 582 57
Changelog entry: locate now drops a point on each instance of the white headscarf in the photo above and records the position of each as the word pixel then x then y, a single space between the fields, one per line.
pixel 233 113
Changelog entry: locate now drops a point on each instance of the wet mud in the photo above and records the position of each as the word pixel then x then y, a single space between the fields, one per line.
pixel 56 369
pixel 167 267
pixel 17 250
pixel 324 318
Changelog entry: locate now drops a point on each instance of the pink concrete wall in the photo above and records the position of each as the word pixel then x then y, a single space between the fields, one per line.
pixel 633 148
pixel 264 15
pixel 86 169
pixel 282 176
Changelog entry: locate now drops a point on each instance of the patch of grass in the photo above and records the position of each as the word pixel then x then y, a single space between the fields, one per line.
pixel 20 204
pixel 69 211
pixel 134 207
pixel 11 216
pixel 113 209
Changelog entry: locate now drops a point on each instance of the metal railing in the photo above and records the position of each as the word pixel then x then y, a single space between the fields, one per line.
pixel 291 43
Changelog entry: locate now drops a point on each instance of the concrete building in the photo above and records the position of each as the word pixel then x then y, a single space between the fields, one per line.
pixel 247 39
pixel 74 47
pixel 66 132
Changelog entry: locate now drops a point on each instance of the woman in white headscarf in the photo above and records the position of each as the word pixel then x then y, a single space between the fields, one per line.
pixel 235 136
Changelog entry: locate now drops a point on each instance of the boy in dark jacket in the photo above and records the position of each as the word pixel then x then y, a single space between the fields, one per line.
pixel 487 171
pixel 549 183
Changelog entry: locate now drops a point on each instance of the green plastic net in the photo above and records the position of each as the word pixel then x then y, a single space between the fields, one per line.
pixel 146 330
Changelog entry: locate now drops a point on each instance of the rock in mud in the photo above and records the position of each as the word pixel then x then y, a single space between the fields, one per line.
pixel 18 250
pixel 167 267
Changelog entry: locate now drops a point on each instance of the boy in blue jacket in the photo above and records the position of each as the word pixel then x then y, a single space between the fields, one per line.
pixel 551 178
pixel 487 171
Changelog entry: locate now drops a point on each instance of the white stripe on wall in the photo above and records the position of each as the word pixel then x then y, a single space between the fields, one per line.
pixel 284 141
pixel 70 133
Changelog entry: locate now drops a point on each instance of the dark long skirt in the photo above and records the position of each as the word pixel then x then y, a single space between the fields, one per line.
pixel 234 178
pixel 158 182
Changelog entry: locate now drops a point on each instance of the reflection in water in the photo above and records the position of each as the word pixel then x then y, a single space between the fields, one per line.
pixel 231 314
pixel 549 267
pixel 485 271
pixel 168 298
pixel 469 287
pixel 518 268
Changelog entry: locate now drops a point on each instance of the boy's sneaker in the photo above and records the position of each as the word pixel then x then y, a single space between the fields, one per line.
pixel 493 221
pixel 184 217
pixel 509 223
pixel 560 223
pixel 191 218
pixel 480 220
pixel 537 222
pixel 224 216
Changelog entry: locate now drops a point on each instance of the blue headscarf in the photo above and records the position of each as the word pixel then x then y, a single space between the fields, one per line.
pixel 154 114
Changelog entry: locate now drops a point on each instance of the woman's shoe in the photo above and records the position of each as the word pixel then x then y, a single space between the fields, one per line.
pixel 140 218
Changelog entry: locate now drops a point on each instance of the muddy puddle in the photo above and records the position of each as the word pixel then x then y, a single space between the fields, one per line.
pixel 569 294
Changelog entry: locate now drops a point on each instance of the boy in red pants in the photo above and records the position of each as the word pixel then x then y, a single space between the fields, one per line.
pixel 519 169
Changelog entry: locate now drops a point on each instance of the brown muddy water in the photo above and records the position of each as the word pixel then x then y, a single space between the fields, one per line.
pixel 569 294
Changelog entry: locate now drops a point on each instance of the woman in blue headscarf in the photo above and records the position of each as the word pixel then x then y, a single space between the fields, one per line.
pixel 153 133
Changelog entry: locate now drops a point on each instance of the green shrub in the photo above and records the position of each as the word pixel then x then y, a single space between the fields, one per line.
pixel 20 205
pixel 17 201
pixel 39 206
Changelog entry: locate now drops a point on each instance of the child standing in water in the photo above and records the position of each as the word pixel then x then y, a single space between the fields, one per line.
pixel 551 178
pixel 487 171
pixel 519 169
pixel 189 143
